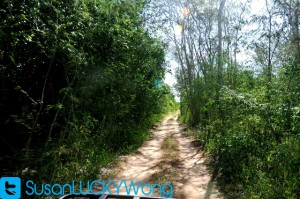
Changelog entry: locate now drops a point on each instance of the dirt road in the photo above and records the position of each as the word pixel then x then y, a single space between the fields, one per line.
pixel 191 179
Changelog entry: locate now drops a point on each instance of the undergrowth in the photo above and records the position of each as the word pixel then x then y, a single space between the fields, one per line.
pixel 250 158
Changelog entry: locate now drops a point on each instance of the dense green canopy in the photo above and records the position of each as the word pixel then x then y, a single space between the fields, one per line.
pixel 77 85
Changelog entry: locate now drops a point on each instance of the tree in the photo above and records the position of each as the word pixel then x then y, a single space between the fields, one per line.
pixel 77 85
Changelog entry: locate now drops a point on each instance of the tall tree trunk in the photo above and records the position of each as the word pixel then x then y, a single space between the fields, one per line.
pixel 269 67
pixel 220 59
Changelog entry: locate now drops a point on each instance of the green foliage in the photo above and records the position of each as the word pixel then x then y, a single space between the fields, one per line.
pixel 253 140
pixel 77 85
pixel 251 148
pixel 246 112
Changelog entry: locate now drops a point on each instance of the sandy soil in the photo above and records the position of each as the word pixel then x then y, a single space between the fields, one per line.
pixel 193 179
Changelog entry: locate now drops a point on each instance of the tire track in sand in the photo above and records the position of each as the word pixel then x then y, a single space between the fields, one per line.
pixel 193 181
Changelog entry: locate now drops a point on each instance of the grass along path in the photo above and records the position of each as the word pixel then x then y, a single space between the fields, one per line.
pixel 169 157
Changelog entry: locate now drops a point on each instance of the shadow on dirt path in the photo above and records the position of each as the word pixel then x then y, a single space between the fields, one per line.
pixel 192 180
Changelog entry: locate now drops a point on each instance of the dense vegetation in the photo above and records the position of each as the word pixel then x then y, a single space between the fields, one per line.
pixel 80 84
pixel 247 113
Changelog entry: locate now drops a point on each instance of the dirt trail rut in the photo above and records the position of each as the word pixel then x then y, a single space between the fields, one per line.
pixel 193 181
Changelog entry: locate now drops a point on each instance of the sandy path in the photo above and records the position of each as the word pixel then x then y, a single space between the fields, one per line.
pixel 194 181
